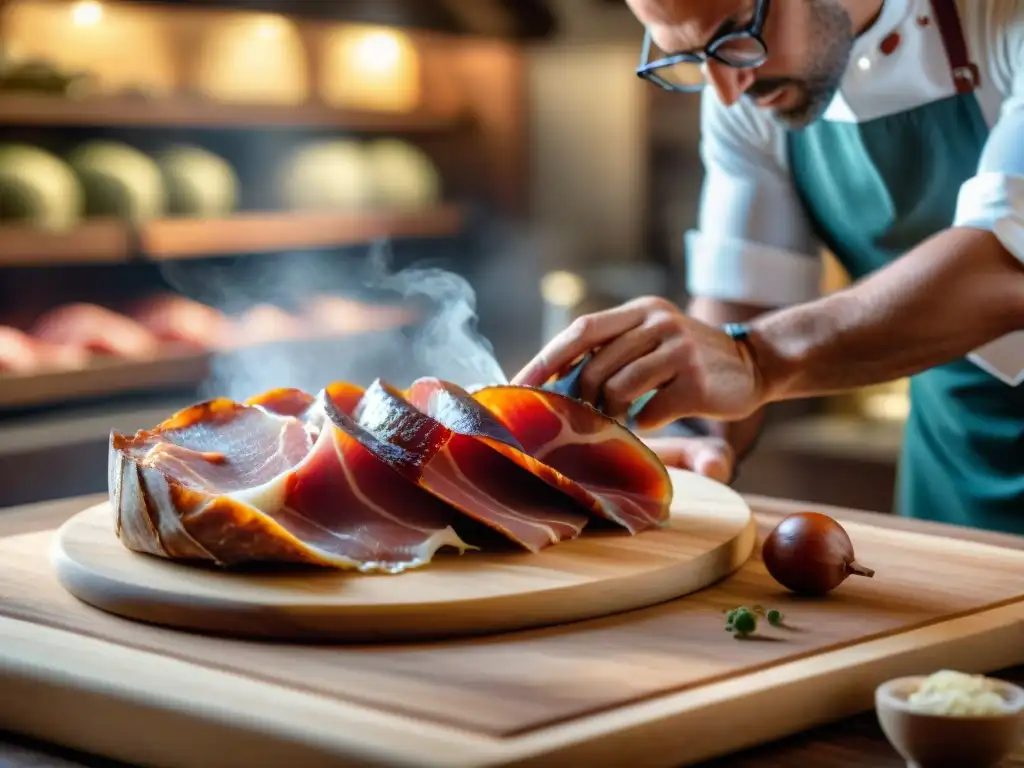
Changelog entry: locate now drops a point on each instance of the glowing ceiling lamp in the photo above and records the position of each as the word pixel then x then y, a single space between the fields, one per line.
pixel 270 27
pixel 378 52
pixel 366 67
pixel 86 13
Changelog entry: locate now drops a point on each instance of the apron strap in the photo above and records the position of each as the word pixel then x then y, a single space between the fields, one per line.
pixel 966 75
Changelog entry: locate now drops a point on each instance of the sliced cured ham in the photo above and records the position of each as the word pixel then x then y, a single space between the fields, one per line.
pixel 570 445
pixel 96 329
pixel 378 480
pixel 284 401
pixel 457 468
pixel 233 483
pixel 383 522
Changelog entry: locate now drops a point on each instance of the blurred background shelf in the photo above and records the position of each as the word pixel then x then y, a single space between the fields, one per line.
pixel 181 112
pixel 92 242
pixel 234 363
pixel 103 377
pixel 253 233
pixel 109 242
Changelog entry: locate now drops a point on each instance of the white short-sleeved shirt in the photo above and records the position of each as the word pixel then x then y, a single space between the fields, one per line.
pixel 754 242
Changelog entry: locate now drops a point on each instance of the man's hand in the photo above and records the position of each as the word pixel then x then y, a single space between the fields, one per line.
pixel 648 344
pixel 708 456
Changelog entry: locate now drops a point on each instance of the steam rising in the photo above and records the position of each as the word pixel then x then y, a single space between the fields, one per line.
pixel 444 342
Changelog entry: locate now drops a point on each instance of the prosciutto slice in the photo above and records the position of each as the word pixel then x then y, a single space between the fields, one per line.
pixel 480 482
pixel 378 480
pixel 565 442
pixel 271 480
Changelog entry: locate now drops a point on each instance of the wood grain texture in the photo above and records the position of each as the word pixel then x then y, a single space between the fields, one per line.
pixel 126 111
pixel 173 239
pixel 103 376
pixel 99 241
pixel 112 241
pixel 712 533
pixel 854 742
pixel 662 686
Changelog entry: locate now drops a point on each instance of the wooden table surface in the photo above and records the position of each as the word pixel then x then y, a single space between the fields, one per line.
pixel 855 742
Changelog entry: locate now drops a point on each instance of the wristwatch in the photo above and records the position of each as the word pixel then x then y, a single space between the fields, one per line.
pixel 738 331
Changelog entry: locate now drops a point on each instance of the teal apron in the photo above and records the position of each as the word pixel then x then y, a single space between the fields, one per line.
pixel 874 191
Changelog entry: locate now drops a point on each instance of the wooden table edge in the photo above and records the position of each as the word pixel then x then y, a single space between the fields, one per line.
pixel 988 640
pixel 70 668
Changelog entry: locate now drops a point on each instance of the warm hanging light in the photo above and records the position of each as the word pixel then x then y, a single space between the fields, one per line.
pixel 86 13
pixel 253 58
pixel 269 27
pixel 378 52
pixel 563 289
pixel 368 67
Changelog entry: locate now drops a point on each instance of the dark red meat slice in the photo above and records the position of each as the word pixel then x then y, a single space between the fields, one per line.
pixel 232 483
pixel 478 481
pixel 388 523
pixel 573 447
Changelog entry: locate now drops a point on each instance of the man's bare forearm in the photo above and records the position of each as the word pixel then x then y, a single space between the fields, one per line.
pixel 952 294
pixel 741 435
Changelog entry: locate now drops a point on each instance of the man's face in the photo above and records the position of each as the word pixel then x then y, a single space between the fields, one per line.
pixel 809 44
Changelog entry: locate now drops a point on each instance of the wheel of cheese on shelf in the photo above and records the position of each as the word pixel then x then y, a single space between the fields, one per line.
pixel 119 181
pixel 199 183
pixel 38 189
pixel 328 175
pixel 404 177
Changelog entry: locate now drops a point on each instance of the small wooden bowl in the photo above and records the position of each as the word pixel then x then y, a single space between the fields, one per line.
pixel 941 741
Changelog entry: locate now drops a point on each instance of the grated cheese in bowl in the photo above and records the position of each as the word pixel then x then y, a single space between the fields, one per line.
pixel 958 694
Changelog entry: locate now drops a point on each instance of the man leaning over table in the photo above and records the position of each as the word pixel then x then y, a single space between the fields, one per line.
pixel 892 133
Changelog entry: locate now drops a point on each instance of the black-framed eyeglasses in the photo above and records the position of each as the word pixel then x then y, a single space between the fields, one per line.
pixel 741 48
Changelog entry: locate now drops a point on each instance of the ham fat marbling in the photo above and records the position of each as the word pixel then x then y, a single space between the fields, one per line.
pixel 379 480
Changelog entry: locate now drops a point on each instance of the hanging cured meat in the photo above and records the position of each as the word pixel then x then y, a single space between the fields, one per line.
pixel 563 441
pixel 378 480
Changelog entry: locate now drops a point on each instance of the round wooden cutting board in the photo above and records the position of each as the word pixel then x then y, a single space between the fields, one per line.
pixel 712 534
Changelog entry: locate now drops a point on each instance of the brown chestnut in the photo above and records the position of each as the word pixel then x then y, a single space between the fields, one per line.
pixel 811 554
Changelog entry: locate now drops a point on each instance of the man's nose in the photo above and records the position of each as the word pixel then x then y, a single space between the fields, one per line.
pixel 730 82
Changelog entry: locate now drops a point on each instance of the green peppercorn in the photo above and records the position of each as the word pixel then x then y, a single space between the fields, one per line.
pixel 774 617
pixel 744 623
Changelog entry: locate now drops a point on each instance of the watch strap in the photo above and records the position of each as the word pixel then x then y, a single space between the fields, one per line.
pixel 738 331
